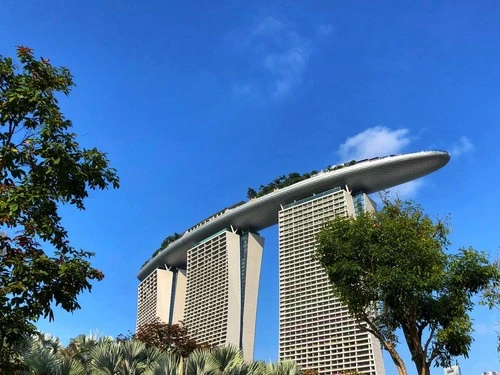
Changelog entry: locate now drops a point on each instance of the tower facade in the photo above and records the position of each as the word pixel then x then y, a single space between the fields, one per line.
pixel 222 286
pixel 316 330
pixel 161 296
pixel 455 370
pixel 216 295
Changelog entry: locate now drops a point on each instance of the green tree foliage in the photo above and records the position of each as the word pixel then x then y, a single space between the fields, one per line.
pixel 292 178
pixel 41 168
pixel 167 241
pixel 393 262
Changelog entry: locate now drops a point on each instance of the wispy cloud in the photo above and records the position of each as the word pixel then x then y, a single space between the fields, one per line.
pixel 374 142
pixel 287 68
pixel 325 30
pixel 482 329
pixel 462 146
pixel 281 54
pixel 407 190
pixel 268 26
pixel 243 89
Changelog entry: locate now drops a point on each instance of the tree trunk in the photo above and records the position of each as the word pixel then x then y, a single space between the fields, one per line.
pixel 421 364
pixel 414 342
pixel 398 362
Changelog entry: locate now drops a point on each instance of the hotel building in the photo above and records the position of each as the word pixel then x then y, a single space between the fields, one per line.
pixel 209 277
pixel 222 287
pixel 316 331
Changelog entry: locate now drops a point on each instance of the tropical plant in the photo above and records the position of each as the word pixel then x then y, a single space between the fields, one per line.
pixel 94 355
pixel 225 357
pixel 166 363
pixel 134 359
pixel 198 363
pixel 104 359
pixel 70 366
pixel 286 367
pixel 41 361
pixel 42 354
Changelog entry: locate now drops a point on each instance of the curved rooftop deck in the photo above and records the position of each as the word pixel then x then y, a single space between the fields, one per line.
pixel 368 176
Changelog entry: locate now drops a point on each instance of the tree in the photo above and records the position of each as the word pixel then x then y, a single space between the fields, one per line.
pixel 42 167
pixel 391 270
pixel 168 337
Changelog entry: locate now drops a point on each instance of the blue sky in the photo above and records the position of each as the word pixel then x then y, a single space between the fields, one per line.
pixel 194 102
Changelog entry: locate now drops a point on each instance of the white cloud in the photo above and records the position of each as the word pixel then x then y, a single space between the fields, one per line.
pixel 325 30
pixel 380 141
pixel 243 89
pixel 372 142
pixel 281 54
pixel 287 68
pixel 482 329
pixel 268 26
pixel 407 190
pixel 462 146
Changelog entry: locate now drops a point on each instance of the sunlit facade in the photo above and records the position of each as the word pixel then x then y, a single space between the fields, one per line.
pixel 222 286
pixel 209 276
pixel 316 331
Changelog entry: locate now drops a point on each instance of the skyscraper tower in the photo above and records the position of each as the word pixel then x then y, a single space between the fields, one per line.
pixel 209 275
pixel 222 285
pixel 161 296
pixel 316 331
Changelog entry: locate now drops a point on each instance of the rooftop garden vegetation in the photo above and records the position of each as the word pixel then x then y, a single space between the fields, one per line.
pixel 167 241
pixel 292 178
pixel 278 183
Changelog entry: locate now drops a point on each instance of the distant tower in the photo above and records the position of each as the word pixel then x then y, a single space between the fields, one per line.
pixel 453 370
pixel 223 274
pixel 161 295
pixel 316 331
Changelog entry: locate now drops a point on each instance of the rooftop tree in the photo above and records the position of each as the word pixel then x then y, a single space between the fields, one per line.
pixel 42 167
pixel 392 271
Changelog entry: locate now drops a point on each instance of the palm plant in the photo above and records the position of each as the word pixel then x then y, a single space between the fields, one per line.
pixel 223 359
pixel 40 354
pixel 80 348
pixel 91 355
pixel 165 363
pixel 199 364
pixel 104 359
pixel 69 366
pixel 46 340
pixel 134 358
pixel 283 368
pixel 252 368
pixel 129 358
pixel 41 361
